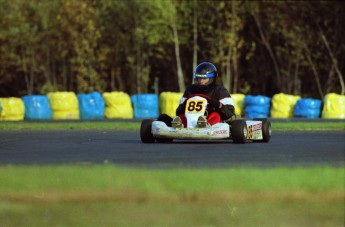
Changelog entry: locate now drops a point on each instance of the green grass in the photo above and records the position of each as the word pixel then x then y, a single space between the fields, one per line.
pixel 308 126
pixel 182 214
pixel 128 125
pixel 170 181
pixel 106 195
pixel 69 125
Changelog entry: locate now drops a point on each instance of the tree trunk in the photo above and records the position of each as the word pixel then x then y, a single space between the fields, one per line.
pixel 32 74
pixel 330 80
pixel 112 79
pixel 234 50
pixel 235 76
pixel 121 84
pixel 269 49
pixel 297 81
pixel 47 68
pixel 64 74
pixel 178 60
pixel 27 79
pixel 316 75
pixel 27 71
pixel 287 83
pixel 116 81
pixel 138 74
pixel 195 37
pixel 335 62
pixel 227 77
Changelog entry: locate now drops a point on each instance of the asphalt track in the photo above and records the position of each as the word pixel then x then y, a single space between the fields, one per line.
pixel 286 148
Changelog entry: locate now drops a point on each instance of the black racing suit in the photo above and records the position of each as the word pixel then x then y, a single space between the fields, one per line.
pixel 216 93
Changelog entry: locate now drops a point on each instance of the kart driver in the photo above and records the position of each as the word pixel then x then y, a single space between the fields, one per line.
pixel 221 106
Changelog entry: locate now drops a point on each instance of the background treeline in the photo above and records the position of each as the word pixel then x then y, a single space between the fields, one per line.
pixel 259 47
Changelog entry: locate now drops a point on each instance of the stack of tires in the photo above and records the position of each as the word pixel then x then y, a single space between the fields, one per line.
pixel 168 102
pixel 239 103
pixel 37 107
pixel 145 105
pixel 257 106
pixel 64 105
pixel 283 105
pixel 91 106
pixel 307 108
pixel 12 109
pixel 334 106
pixel 117 105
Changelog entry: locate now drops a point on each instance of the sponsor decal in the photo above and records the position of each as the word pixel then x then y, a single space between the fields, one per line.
pixel 220 132
pixel 257 127
pixel 250 132
pixel 257 135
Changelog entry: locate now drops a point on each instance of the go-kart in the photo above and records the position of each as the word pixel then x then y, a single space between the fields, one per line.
pixel 239 130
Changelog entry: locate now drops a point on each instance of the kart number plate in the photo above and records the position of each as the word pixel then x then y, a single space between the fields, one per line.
pixel 195 106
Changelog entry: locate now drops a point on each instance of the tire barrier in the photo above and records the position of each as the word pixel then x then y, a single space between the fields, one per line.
pixel 308 108
pixel 334 106
pixel 91 106
pixel 283 105
pixel 168 102
pixel 37 107
pixel 145 105
pixel 12 109
pixel 64 105
pixel 239 103
pixel 67 105
pixel 257 106
pixel 117 105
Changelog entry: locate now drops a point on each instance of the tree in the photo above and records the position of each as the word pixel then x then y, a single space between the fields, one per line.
pixel 259 47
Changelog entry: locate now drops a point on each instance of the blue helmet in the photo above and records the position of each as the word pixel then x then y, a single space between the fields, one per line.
pixel 206 70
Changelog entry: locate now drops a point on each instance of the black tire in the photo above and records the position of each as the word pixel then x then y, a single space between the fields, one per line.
pixel 145 131
pixel 165 118
pixel 266 129
pixel 239 131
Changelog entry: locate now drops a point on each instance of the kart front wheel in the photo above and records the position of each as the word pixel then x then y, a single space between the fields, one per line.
pixel 145 131
pixel 239 131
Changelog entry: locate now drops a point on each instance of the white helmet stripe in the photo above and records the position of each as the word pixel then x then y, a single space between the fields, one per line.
pixel 227 101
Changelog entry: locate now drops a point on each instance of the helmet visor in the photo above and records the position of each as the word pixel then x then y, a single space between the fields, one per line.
pixel 207 75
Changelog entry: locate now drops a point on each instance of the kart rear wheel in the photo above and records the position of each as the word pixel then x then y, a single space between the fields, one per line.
pixel 266 129
pixel 239 131
pixel 145 131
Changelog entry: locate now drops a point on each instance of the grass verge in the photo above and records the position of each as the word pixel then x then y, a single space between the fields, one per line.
pixel 107 195
pixel 128 125
pixel 308 126
pixel 70 125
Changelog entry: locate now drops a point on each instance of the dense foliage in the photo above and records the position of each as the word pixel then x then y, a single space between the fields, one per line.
pixel 260 47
